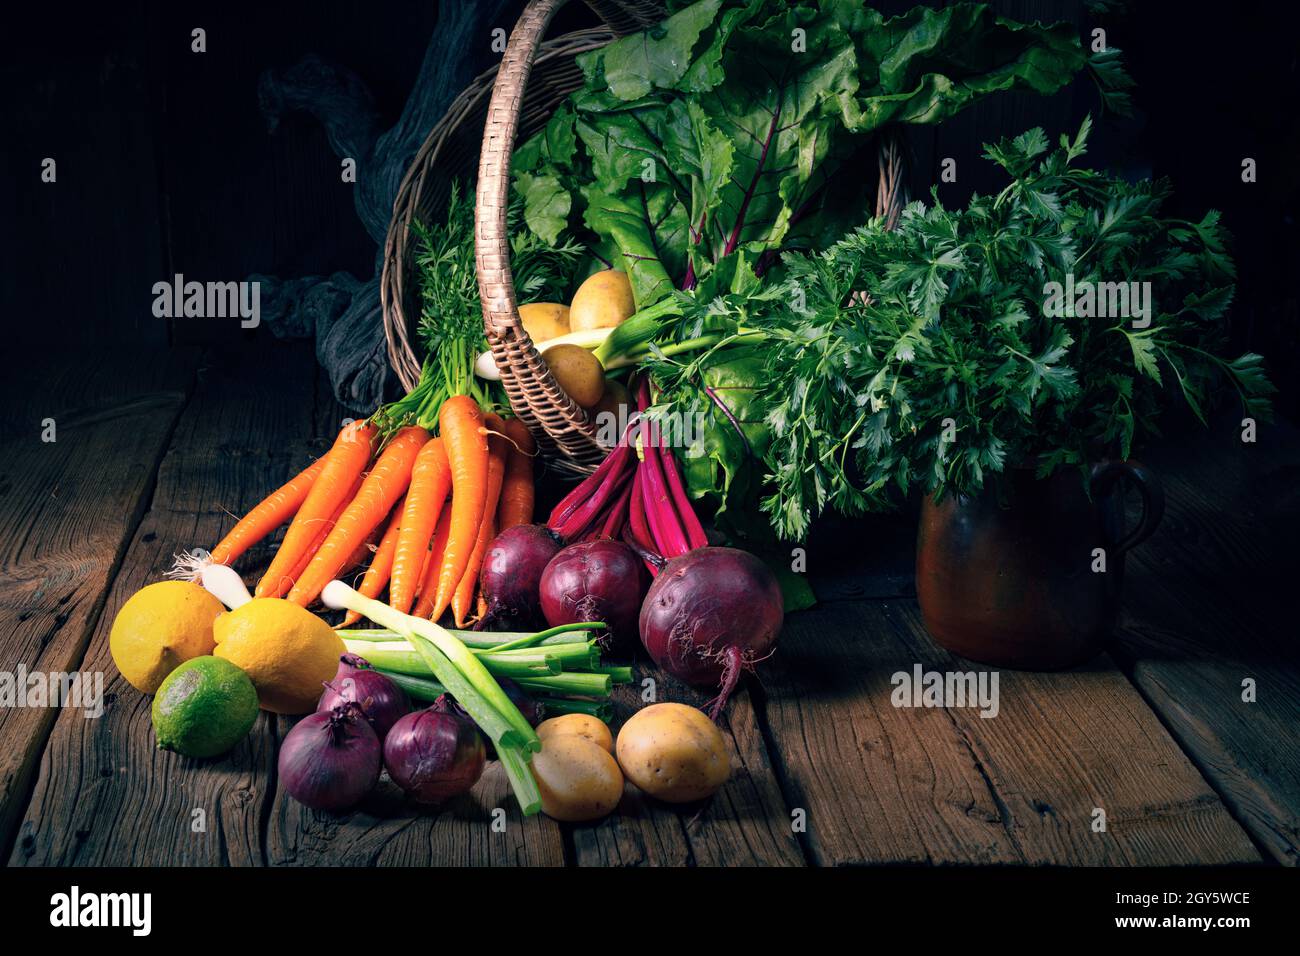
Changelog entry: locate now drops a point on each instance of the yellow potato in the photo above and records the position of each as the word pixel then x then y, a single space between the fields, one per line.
pixel 673 752
pixel 578 372
pixel 577 779
pixel 544 321
pixel 602 301
pixel 578 725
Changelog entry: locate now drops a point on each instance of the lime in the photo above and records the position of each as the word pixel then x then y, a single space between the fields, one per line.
pixel 204 707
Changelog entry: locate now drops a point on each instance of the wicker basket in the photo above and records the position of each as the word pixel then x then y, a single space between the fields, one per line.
pixel 514 99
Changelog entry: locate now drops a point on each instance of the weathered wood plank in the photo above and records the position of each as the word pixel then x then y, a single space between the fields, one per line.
pixel 745 824
pixel 391 830
pixel 67 510
pixel 883 784
pixel 1210 602
pixel 105 795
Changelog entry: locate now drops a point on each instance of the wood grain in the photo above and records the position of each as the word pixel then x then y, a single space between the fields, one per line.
pixel 1211 602
pixel 907 785
pixel 105 795
pixel 745 824
pixel 67 510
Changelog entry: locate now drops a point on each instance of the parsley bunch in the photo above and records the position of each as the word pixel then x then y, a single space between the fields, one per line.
pixel 927 356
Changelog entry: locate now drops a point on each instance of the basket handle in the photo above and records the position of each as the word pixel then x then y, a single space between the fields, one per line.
pixel 496 283
pixel 536 397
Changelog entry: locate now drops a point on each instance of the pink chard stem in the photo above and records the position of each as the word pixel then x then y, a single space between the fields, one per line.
pixel 695 536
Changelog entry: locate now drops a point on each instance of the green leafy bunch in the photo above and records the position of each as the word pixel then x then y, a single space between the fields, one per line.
pixel 939 355
pixel 738 127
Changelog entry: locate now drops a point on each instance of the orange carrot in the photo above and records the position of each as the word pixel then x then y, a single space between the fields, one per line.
pixel 430 482
pixel 343 464
pixel 321 532
pixel 464 437
pixel 497 448
pixel 516 505
pixel 376 576
pixel 433 567
pixel 273 510
pixel 366 549
pixel 387 482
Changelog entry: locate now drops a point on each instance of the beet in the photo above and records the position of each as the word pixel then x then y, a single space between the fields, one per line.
pixel 512 576
pixel 601 580
pixel 711 614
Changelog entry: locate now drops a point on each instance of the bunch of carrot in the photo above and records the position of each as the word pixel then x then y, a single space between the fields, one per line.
pixel 423 508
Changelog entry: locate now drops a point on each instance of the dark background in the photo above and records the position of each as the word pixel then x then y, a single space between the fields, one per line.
pixel 166 165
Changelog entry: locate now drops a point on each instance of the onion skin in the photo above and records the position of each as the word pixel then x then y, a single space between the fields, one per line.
pixel 512 575
pixel 600 580
pixel 434 754
pixel 709 615
pixel 330 759
pixel 382 701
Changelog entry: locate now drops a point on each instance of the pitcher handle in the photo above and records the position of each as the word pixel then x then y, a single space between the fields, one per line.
pixel 1107 474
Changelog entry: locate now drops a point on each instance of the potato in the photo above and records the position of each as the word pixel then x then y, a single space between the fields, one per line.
pixel 579 725
pixel 579 373
pixel 673 752
pixel 544 321
pixel 577 779
pixel 602 301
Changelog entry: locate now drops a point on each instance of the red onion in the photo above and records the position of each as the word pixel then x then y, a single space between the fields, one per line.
pixel 382 701
pixel 596 581
pixel 435 754
pixel 330 759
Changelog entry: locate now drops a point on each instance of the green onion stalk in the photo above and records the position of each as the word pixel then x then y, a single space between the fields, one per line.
pixel 602 710
pixel 405 658
pixel 428 690
pixel 488 641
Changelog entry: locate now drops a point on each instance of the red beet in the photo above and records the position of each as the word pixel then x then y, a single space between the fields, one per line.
pixel 600 580
pixel 512 575
pixel 711 614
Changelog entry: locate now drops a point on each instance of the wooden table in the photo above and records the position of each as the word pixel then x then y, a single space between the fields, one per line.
pixel 155 452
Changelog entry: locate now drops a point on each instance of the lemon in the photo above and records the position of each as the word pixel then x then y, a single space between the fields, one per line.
pixel 204 707
pixel 602 301
pixel 160 627
pixel 285 650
